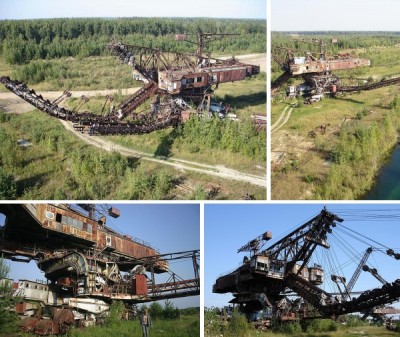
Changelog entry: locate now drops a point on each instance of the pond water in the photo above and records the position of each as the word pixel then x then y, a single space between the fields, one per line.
pixel 387 185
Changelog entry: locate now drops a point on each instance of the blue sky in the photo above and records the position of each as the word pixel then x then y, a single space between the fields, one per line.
pixel 27 9
pixel 167 227
pixel 228 227
pixel 339 15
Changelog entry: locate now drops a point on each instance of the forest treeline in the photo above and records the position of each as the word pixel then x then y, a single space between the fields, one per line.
pixel 345 40
pixel 24 40
pixel 369 45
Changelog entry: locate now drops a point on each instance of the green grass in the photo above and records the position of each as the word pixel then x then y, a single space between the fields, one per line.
pixel 343 331
pixel 369 331
pixel 91 73
pixel 186 326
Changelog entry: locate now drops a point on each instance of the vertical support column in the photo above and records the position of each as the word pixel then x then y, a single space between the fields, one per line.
pixel 196 268
pixel 153 280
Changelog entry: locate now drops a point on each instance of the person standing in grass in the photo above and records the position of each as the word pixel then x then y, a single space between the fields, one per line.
pixel 145 322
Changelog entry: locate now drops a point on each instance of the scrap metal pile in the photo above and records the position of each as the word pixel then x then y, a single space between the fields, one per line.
pixel 87 265
pixel 177 77
pixel 281 281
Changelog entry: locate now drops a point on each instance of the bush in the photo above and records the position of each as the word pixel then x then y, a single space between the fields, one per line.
pixel 243 138
pixel 286 328
pixel 238 325
pixel 8 187
pixel 170 312
pixel 156 310
pixel 3 117
pixel 354 321
pixel 212 323
pixel 320 325
pixel 116 310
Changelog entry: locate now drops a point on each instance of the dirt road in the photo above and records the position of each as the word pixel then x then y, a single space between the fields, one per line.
pixel 180 164
pixel 282 120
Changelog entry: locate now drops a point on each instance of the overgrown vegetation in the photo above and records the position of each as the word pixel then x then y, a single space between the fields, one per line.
pixel 338 145
pixel 168 311
pixel 34 171
pixel 320 325
pixel 200 134
pixel 216 326
pixel 114 317
pixel 357 157
pixel 26 40
pixel 289 328
pixel 8 319
pixel 87 173
pixel 167 320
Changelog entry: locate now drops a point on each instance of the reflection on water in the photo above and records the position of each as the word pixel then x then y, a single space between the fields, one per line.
pixel 387 186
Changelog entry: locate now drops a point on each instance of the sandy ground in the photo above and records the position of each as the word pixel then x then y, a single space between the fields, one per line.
pixel 256 59
pixel 280 143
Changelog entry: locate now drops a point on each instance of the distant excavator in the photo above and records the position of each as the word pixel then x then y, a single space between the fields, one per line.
pixel 316 68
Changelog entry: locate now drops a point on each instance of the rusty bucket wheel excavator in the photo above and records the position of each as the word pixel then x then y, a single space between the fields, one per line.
pixel 317 68
pixel 180 78
pixel 87 265
pixel 282 282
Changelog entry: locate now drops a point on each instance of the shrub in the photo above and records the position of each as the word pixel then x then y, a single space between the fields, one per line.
pixel 115 314
pixel 8 187
pixel 170 312
pixel 320 325
pixel 354 321
pixel 286 328
pixel 238 325
pixel 156 310
pixel 212 323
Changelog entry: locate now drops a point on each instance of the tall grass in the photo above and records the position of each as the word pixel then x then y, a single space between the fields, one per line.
pixel 186 326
